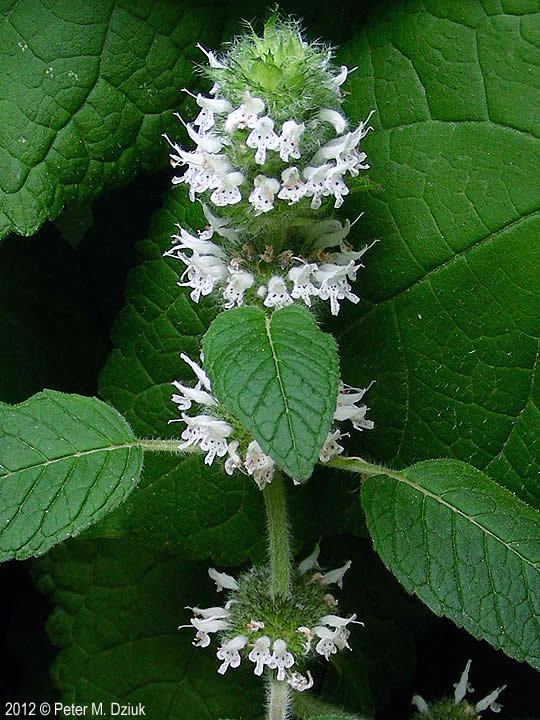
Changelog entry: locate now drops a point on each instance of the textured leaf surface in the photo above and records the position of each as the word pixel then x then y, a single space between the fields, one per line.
pixel 118 606
pixel 180 501
pixel 278 375
pixel 449 326
pixel 65 461
pixel 86 90
pixel 48 328
pixel 467 547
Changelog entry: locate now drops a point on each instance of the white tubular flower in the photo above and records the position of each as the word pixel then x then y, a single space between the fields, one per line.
pixel 335 185
pixel 340 78
pixel 489 702
pixel 262 138
pixel 289 140
pixel 327 642
pixel 277 295
pixel 315 186
pixel 420 704
pixel 228 653
pixel 205 627
pixel 335 577
pixel 334 118
pixel 205 142
pixel 234 461
pixel 310 562
pixel 260 655
pixel 189 395
pixel 200 245
pixel 246 115
pixel 227 192
pixel 263 193
pixel 347 408
pixel 281 659
pixel 222 580
pixel 336 622
pixel 463 686
pixel 239 282
pixel 328 233
pixel 334 284
pixel 210 107
pixel 303 287
pixel 213 612
pixel 202 377
pixel 331 446
pixel 213 61
pixel 300 682
pixel 208 433
pixel 219 225
pixel 343 148
pixel 202 273
pixel 259 465
pixel 292 187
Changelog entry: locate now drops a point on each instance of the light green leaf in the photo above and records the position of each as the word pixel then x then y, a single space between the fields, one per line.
pixel 449 325
pixel 86 91
pixel 465 546
pixel 181 502
pixel 118 607
pixel 65 461
pixel 278 374
pixel 48 327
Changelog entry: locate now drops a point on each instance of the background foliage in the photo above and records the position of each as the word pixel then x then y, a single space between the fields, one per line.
pixel 448 326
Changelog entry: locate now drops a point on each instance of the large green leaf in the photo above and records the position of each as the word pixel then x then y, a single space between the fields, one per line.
pixel 48 327
pixel 180 501
pixel 65 461
pixel 449 327
pixel 118 607
pixel 86 91
pixel 466 546
pixel 278 374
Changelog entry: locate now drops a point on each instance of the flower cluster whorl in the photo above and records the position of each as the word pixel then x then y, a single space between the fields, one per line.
pixel 279 635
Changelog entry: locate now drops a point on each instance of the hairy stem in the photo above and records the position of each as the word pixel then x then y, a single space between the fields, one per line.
pixel 277 522
pixel 279 697
pixel 171 446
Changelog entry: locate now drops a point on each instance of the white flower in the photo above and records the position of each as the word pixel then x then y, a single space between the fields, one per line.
pixel 259 465
pixel 200 245
pixel 246 115
pixel 238 282
pixel 234 461
pixel 303 287
pixel 208 433
pixel 260 654
pixel 292 187
pixel 338 80
pixel 315 186
pixel 213 61
pixel 462 687
pixel 489 701
pixel 209 108
pixel 227 192
pixel 205 142
pixel 222 580
pixel 202 273
pixel 277 295
pixel 189 395
pixel 300 682
pixel 334 284
pixel 327 233
pixel 334 118
pixel 219 225
pixel 335 621
pixel 202 377
pixel 228 653
pixel 280 659
pixel 289 140
pixel 262 195
pixel 255 625
pixel 311 561
pixel 347 408
pixel 335 185
pixel 419 702
pixel 331 447
pixel 326 645
pixel 213 612
pixel 205 627
pixel 308 637
pixel 263 138
pixel 336 576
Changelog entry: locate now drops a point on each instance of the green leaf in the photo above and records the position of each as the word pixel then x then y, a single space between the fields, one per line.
pixel 449 325
pixel 278 375
pixel 86 91
pixel 180 502
pixel 65 461
pixel 49 330
pixel 466 547
pixel 118 607
pixel 308 707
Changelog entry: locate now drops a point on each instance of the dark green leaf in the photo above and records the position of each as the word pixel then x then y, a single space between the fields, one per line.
pixel 65 462
pixel 467 547
pixel 449 327
pixel 118 607
pixel 278 374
